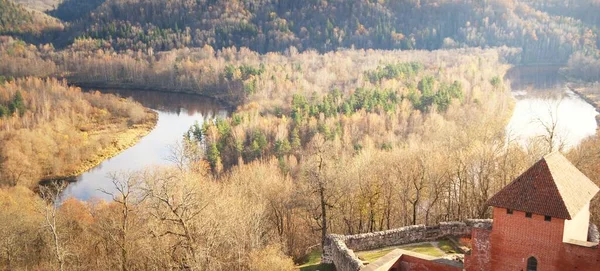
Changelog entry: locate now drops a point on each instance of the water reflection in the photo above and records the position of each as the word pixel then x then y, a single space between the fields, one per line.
pixel 176 113
pixel 542 99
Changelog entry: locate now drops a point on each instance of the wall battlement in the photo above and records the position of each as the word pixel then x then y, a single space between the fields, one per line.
pixel 339 249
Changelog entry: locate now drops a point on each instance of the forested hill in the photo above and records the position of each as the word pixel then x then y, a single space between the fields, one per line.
pixel 16 19
pixel 325 25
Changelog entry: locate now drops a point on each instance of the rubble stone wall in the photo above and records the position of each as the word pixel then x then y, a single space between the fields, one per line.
pixel 339 249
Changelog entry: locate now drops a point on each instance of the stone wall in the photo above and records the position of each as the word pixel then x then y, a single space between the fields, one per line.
pixel 593 234
pixel 339 249
pixel 336 252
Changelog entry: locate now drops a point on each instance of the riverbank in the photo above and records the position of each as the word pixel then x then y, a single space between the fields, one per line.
pixel 590 93
pixel 122 135
pixel 228 100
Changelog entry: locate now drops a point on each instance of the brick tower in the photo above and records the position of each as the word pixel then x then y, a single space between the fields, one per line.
pixel 541 222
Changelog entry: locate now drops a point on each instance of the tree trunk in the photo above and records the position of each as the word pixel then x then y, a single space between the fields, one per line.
pixel 323 215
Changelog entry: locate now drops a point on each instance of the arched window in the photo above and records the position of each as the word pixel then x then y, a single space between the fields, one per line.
pixel 531 264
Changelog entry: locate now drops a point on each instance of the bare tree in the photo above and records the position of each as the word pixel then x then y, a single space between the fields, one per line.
pixel 185 153
pixel 127 195
pixel 176 202
pixel 319 183
pixel 553 138
pixel 51 194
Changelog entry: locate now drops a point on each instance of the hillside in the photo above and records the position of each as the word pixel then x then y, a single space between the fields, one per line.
pixel 39 5
pixel 48 129
pixel 344 116
pixel 16 19
pixel 276 25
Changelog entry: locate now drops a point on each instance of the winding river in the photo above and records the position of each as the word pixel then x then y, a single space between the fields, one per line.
pixel 542 98
pixel 537 91
pixel 176 113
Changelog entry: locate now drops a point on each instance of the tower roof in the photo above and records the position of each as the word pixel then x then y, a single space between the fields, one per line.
pixel 552 187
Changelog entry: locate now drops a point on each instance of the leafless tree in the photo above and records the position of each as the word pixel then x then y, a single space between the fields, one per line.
pixel 128 196
pixel 554 138
pixel 51 194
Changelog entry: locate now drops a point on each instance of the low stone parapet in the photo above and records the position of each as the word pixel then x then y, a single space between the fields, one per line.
pixel 339 249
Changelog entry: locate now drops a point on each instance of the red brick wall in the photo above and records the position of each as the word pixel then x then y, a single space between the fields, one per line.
pixel 578 258
pixel 409 263
pixel 480 257
pixel 514 238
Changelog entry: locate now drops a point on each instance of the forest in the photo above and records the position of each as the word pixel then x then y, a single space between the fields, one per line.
pixel 347 117
pixel 316 146
pixel 48 129
pixel 547 32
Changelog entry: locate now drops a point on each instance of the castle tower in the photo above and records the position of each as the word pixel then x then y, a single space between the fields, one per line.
pixel 541 220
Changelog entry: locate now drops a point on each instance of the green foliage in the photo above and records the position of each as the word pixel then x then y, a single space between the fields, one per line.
pixel 446 94
pixel 258 144
pixel 236 119
pixel 4 111
pixel 496 81
pixel 426 86
pixel 17 105
pixel 300 108
pixel 332 104
pixel 213 156
pixel 223 127
pixel 229 72
pixel 295 138
pixel 195 132
pixel 243 72
pixel 393 71
pixel 282 147
pixel 428 96
pixel 250 87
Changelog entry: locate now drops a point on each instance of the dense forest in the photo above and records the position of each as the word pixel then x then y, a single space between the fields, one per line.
pixel 352 145
pixel 348 117
pixel 48 129
pixel 557 32
pixel 266 26
pixel 16 19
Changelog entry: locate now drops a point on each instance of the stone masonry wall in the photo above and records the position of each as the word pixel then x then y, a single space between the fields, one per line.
pixel 339 249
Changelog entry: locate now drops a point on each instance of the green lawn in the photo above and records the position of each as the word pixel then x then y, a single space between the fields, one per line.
pixel 423 248
pixel 446 246
pixel 372 255
pixel 314 263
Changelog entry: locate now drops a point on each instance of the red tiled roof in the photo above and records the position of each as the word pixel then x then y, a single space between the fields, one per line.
pixel 552 187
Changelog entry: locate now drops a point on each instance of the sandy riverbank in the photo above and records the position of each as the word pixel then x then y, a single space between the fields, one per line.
pixel 122 137
pixel 590 93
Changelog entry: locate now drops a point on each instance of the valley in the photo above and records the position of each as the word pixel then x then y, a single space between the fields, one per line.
pixel 238 135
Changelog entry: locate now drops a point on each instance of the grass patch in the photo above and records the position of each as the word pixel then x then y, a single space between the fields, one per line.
pixel 372 255
pixel 313 263
pixel 423 248
pixel 446 247
pixel 426 248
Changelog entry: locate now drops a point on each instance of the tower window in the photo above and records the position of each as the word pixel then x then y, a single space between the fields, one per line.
pixel 547 218
pixel 509 211
pixel 532 264
pixel 528 214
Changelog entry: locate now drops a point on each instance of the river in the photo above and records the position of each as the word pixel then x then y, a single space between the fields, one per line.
pixel 176 113
pixel 542 98
pixel 537 90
